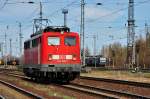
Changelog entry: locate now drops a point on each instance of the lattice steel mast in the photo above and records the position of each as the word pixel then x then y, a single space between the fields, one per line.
pixel 131 59
pixel 82 31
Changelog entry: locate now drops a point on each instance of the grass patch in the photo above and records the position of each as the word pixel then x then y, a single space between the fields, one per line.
pixel 52 93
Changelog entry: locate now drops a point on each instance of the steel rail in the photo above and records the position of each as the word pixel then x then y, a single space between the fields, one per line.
pixel 88 91
pixel 2 97
pixel 69 87
pixel 132 83
pixel 99 91
pixel 113 92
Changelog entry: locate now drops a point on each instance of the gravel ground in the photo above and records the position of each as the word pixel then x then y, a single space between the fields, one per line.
pixel 49 91
pixel 9 93
pixel 120 75
pixel 115 86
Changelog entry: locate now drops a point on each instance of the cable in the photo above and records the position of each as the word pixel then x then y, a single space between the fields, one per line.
pixel 114 12
pixel 32 14
pixel 68 5
pixel 107 15
pixel 4 4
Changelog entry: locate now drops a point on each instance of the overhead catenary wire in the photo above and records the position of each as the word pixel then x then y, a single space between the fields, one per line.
pixel 116 11
pixel 68 5
pixel 5 3
pixel 77 1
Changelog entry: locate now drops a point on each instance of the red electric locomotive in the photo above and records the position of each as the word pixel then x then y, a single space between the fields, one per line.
pixel 52 53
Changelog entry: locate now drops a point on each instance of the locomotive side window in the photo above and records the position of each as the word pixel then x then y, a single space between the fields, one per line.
pixel 70 41
pixel 34 42
pixel 27 45
pixel 53 41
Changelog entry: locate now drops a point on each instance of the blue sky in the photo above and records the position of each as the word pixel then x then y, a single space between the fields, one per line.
pixel 107 21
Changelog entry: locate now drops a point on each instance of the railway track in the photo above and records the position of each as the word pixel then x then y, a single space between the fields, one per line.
pixel 78 88
pixel 23 91
pixel 1 97
pixel 89 90
pixel 54 84
pixel 100 92
pixel 107 93
pixel 132 83
pixel 120 87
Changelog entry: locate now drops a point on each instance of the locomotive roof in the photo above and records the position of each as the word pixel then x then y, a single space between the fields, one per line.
pixel 52 29
pixel 56 29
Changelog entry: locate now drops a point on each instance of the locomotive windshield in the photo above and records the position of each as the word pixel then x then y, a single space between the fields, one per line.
pixel 70 41
pixel 53 41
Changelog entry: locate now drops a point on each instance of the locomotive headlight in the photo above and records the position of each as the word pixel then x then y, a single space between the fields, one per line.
pixel 74 57
pixel 49 57
pixel 69 56
pixel 55 57
pixel 62 32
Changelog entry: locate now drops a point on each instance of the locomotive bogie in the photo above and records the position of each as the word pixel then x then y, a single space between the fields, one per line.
pixel 54 73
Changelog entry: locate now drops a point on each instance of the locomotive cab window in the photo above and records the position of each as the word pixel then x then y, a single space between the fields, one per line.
pixel 70 41
pixel 27 45
pixel 35 42
pixel 53 41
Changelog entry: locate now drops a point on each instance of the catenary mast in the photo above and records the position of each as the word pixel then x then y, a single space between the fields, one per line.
pixel 131 58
